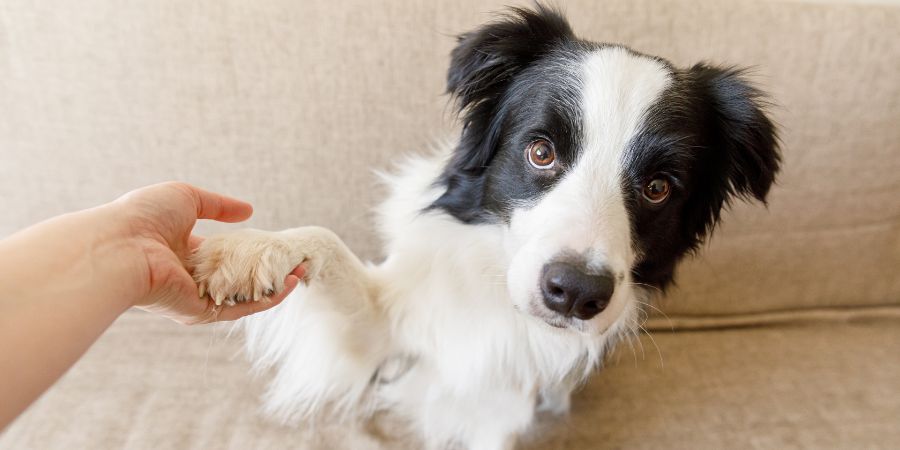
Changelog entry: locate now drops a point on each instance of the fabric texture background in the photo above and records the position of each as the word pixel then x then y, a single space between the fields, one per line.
pixel 151 384
pixel 292 105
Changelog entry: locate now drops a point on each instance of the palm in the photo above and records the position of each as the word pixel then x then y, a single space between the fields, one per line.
pixel 160 219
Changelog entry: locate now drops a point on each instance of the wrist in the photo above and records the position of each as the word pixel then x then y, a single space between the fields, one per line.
pixel 116 255
pixel 82 255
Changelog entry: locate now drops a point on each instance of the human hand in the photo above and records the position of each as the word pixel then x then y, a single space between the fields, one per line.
pixel 65 280
pixel 156 222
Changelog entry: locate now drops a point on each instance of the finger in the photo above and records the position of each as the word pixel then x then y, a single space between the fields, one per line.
pixel 245 309
pixel 219 207
pixel 299 271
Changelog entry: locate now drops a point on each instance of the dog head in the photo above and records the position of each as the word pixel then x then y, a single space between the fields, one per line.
pixel 604 166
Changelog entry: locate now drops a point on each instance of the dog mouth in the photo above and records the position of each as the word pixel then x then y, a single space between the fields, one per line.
pixel 555 320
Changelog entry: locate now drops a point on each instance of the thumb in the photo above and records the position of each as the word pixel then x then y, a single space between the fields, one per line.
pixel 210 205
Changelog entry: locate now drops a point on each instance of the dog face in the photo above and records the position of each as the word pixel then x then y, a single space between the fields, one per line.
pixel 604 166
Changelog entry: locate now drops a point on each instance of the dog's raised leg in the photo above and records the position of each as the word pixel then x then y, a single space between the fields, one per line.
pixel 251 264
pixel 326 340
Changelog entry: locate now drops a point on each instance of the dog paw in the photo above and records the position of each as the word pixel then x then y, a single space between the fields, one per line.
pixel 246 265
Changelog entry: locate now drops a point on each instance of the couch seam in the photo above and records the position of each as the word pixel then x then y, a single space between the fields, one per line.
pixel 784 317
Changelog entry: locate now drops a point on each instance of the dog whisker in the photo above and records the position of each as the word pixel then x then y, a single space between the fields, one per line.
pixel 666 316
pixel 658 351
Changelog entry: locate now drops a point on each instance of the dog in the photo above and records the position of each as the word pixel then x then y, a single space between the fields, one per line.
pixel 518 254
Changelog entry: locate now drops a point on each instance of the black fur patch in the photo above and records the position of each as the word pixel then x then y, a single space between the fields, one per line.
pixel 709 135
pixel 510 79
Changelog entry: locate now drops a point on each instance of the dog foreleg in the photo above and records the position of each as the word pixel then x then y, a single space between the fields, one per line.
pixel 327 339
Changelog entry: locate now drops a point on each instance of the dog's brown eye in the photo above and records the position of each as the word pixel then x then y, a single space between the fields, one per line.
pixel 657 190
pixel 541 154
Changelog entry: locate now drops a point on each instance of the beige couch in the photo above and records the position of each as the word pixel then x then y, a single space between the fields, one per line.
pixel 783 333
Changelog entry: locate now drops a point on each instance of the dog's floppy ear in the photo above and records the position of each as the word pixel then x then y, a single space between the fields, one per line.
pixel 482 66
pixel 744 140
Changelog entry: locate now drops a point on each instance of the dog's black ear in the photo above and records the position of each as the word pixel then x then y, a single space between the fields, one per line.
pixel 744 142
pixel 482 66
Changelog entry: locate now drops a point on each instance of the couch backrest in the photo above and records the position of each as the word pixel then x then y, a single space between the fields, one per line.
pixel 292 104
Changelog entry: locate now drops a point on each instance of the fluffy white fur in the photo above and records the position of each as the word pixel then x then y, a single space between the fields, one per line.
pixel 449 331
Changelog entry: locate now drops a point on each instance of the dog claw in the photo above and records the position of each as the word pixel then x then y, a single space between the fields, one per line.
pixel 221 283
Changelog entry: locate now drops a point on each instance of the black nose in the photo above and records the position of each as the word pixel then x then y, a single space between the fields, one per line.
pixel 572 292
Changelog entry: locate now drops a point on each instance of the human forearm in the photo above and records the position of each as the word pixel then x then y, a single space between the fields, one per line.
pixel 51 274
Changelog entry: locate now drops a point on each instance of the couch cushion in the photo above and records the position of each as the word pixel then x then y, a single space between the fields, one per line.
pixel 829 385
pixel 151 384
pixel 292 104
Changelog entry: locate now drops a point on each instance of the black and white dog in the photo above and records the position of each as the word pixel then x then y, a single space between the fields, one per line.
pixel 517 256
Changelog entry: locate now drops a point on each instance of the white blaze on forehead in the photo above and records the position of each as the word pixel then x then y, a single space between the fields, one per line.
pixel 618 88
pixel 585 212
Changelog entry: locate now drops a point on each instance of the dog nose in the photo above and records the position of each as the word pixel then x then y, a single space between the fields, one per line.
pixel 572 292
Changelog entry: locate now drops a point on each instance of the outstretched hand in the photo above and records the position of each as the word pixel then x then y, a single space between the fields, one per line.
pixel 157 222
pixel 65 280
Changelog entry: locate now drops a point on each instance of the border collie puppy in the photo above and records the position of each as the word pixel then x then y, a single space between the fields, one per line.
pixel 516 256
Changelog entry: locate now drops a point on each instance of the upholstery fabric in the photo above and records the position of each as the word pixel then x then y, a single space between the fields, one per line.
pixel 151 384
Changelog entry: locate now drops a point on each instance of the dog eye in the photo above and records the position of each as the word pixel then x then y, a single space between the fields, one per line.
pixel 657 190
pixel 541 154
